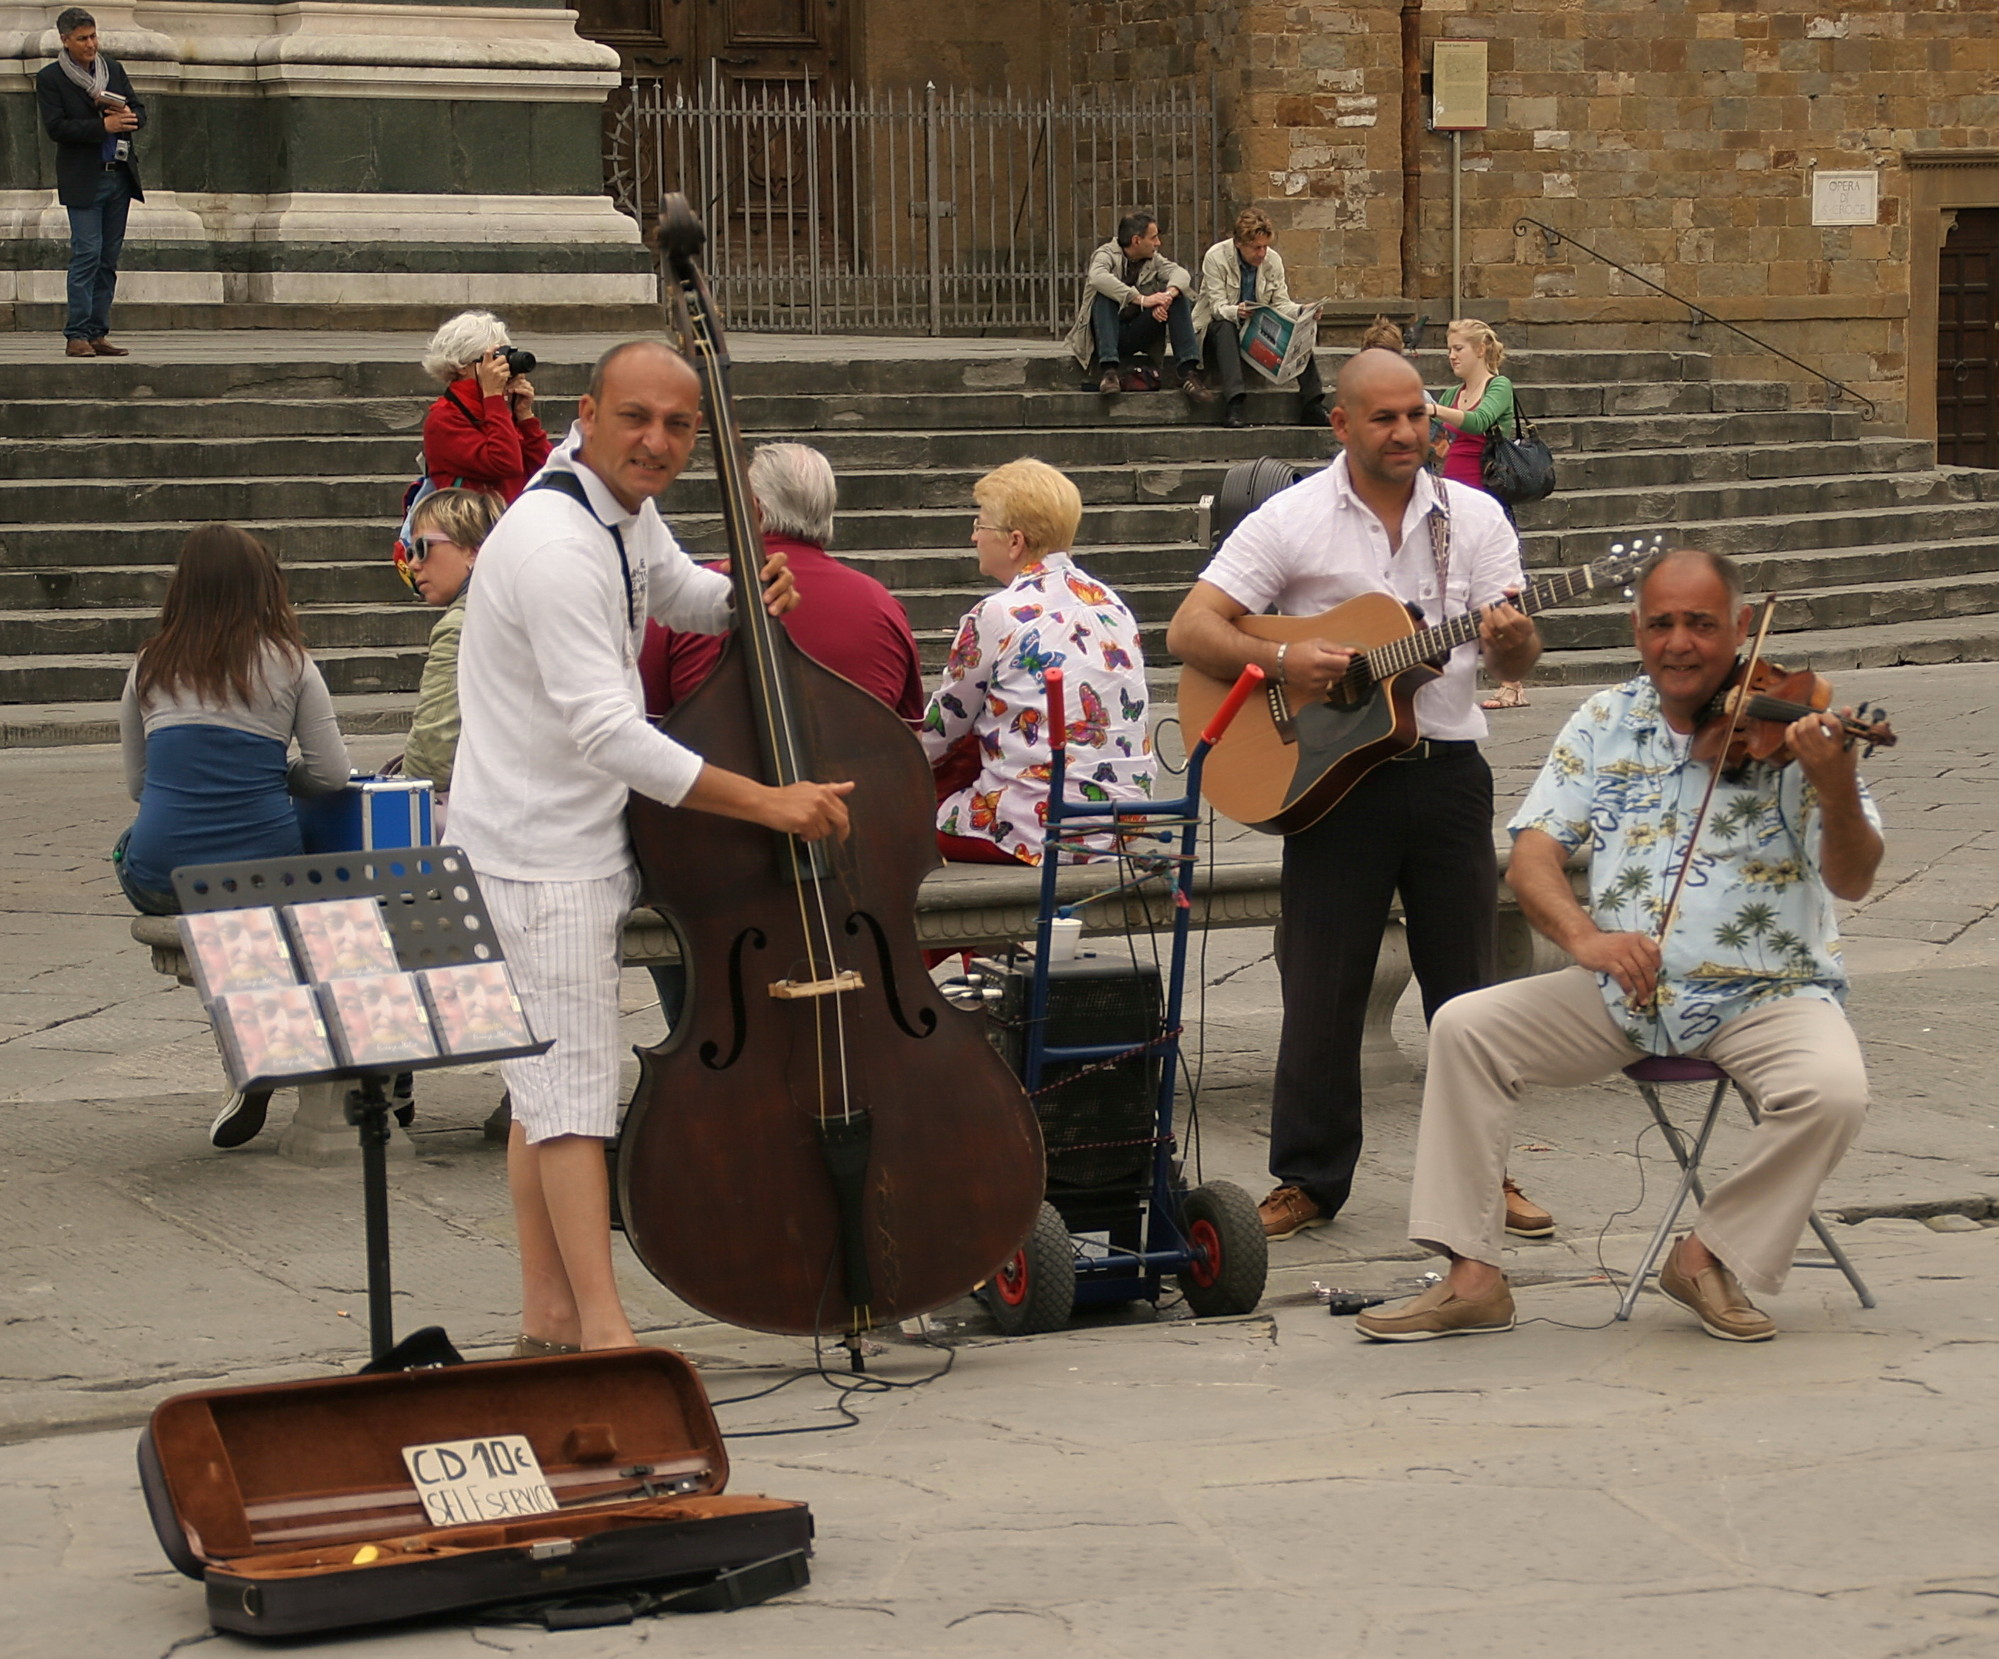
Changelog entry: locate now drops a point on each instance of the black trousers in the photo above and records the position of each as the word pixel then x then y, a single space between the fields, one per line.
pixel 1420 827
pixel 1222 347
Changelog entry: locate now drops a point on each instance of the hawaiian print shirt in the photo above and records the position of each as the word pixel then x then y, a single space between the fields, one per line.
pixel 1755 921
pixel 1052 615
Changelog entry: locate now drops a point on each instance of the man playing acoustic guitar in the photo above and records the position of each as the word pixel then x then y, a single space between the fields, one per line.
pixel 1746 975
pixel 1373 522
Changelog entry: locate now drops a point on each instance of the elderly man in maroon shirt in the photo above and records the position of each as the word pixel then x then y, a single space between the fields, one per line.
pixel 844 619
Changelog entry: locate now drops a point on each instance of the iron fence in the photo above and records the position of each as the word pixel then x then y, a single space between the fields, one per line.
pixel 914 212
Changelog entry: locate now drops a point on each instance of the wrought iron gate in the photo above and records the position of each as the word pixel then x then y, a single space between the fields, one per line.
pixel 920 212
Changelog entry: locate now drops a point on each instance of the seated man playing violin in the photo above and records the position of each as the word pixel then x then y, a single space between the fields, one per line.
pixel 1743 970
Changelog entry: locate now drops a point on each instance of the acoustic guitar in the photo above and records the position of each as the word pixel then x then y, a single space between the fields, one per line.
pixel 1289 760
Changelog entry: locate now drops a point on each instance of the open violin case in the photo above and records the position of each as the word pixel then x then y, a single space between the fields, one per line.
pixel 294 1505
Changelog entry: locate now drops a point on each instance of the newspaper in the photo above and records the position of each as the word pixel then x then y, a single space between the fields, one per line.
pixel 1277 346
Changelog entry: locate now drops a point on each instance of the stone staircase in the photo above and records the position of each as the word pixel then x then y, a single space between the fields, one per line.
pixel 1882 557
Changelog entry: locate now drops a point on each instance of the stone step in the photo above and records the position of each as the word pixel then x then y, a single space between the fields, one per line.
pixel 1807 610
pixel 86 677
pixel 41 633
pixel 1881 645
pixel 562 373
pixel 1951 520
pixel 260 420
pixel 96 587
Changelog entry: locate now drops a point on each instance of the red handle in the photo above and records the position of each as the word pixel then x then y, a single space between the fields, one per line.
pixel 1252 677
pixel 1058 725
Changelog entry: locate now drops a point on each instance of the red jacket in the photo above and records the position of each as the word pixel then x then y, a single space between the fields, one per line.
pixel 844 619
pixel 494 453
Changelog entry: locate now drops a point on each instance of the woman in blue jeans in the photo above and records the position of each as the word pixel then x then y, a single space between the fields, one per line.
pixel 212 707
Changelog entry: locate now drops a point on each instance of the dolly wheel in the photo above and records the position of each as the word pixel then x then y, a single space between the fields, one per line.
pixel 1035 1288
pixel 1231 1254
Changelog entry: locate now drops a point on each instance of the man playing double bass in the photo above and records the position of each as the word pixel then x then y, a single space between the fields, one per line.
pixel 1747 974
pixel 554 738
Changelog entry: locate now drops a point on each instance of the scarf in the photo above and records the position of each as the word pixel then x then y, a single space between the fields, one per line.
pixel 95 81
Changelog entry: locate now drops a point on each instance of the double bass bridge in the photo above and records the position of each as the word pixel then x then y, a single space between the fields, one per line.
pixel 795 990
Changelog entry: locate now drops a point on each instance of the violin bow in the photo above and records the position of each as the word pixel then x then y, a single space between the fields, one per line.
pixel 1736 706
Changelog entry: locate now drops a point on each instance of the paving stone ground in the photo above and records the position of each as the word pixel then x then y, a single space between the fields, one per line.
pixel 1139 1485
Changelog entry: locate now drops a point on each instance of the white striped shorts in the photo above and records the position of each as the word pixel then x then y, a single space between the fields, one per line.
pixel 561 939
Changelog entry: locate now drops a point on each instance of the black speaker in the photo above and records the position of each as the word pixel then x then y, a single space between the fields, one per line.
pixel 1098 1124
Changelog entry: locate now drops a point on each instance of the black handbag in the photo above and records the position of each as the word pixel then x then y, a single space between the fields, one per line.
pixel 1519 468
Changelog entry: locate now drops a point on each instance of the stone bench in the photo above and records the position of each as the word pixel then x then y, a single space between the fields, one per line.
pixel 983 907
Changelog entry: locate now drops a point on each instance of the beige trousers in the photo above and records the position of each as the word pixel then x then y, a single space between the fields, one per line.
pixel 1797 1058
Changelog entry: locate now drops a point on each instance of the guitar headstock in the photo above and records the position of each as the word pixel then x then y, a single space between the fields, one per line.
pixel 1624 561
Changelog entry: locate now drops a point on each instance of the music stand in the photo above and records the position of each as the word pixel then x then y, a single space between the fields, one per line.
pixel 437 919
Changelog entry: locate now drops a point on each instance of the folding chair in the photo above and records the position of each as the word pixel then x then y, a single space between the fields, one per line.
pixel 1648 1074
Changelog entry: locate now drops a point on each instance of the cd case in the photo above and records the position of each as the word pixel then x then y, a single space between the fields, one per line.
pixel 342 938
pixel 270 1035
pixel 475 1008
pixel 236 950
pixel 377 1019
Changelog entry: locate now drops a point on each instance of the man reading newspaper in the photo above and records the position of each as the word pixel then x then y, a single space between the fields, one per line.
pixel 1247 315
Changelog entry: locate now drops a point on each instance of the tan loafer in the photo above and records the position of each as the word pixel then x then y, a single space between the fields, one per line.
pixel 1440 1311
pixel 1289 1210
pixel 1715 1297
pixel 1524 1217
pixel 78 348
pixel 102 347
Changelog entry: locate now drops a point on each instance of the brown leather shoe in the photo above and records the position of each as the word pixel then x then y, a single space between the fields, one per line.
pixel 78 348
pixel 1440 1311
pixel 1715 1297
pixel 1112 383
pixel 103 347
pixel 1196 388
pixel 1524 1217
pixel 1289 1210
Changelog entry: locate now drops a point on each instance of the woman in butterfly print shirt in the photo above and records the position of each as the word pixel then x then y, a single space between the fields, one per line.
pixel 989 709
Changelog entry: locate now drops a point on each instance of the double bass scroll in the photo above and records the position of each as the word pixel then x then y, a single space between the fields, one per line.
pixel 822 1143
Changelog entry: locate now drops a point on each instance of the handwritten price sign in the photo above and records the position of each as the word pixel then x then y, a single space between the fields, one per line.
pixel 494 1478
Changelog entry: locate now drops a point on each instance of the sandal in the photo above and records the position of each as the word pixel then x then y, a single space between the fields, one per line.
pixel 535 1347
pixel 1512 695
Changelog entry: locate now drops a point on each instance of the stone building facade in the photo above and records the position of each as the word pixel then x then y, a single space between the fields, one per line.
pixel 1677 137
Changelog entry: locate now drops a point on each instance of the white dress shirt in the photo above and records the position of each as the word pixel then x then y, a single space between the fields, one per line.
pixel 1317 544
pixel 554 732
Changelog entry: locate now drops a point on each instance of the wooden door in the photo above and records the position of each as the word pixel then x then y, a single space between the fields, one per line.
pixel 1968 341
pixel 683 42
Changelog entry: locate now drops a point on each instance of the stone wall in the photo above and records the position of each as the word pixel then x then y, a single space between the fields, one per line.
pixel 1678 137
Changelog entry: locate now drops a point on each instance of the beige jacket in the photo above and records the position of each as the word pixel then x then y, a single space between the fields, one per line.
pixel 1106 276
pixel 1221 286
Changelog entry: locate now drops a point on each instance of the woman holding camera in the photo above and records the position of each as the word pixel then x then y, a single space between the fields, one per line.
pixel 482 433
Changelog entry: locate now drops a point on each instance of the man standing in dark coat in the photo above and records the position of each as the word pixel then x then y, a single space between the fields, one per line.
pixel 89 108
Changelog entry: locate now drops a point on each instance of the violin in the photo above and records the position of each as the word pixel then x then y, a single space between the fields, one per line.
pixel 823 1143
pixel 1757 705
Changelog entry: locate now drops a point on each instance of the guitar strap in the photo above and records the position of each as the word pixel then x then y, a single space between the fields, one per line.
pixel 1440 548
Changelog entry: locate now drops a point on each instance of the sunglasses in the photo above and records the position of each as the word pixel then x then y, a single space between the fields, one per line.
pixel 408 558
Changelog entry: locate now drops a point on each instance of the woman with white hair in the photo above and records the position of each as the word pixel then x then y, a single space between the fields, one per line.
pixel 482 433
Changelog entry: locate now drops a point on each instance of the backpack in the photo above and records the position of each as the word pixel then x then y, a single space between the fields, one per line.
pixel 420 487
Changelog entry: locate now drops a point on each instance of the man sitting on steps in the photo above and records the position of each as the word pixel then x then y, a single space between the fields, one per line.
pixel 1134 297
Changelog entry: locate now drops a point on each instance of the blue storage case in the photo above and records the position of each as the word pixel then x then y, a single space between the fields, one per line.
pixel 370 813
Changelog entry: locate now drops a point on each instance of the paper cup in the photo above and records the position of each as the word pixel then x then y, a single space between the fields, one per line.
pixel 1065 933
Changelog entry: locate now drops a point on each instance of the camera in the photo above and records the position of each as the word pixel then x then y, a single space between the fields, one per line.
pixel 517 361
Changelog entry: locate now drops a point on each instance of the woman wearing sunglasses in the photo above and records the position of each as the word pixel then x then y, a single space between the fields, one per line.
pixel 446 532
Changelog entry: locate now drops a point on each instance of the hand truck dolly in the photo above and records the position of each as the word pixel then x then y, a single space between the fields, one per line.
pixel 1098 1242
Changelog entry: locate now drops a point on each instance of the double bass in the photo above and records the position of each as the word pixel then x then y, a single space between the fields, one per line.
pixel 822 1143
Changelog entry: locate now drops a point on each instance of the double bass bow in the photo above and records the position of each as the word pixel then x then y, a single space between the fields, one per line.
pixel 822 1143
